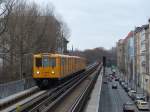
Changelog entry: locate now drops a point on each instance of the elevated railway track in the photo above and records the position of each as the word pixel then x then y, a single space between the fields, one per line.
pixel 47 100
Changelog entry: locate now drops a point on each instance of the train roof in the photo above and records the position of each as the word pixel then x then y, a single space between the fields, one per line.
pixel 55 55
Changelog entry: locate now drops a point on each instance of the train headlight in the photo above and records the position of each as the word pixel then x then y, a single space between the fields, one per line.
pixel 53 72
pixel 38 72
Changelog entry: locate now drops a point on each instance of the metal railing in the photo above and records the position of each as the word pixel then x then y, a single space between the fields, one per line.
pixel 13 87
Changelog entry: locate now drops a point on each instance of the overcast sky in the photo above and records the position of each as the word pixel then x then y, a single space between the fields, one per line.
pixel 100 23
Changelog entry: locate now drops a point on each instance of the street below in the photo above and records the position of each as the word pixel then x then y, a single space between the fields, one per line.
pixel 112 100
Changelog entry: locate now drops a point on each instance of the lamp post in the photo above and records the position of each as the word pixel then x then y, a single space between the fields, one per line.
pixel 147 97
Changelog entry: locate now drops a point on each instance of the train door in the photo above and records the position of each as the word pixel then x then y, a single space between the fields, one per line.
pixel 68 65
pixel 62 66
pixel 71 64
pixel 60 59
pixel 75 64
pixel 59 67
pixel 45 66
pixel 54 67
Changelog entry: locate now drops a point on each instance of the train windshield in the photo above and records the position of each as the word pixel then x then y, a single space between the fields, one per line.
pixel 45 61
pixel 38 62
pixel 52 62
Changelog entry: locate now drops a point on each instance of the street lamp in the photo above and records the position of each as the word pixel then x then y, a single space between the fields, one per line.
pixel 146 80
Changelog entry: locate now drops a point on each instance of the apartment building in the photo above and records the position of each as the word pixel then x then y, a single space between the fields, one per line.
pixel 120 54
pixel 125 56
pixel 143 57
pixel 135 56
pixel 129 58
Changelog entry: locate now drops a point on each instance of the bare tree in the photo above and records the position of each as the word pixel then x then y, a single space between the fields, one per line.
pixel 65 30
pixel 97 55
pixel 5 8
pixel 29 31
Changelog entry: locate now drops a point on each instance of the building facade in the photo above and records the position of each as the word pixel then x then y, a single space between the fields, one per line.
pixel 120 54
pixel 129 58
pixel 133 57
pixel 137 54
pixel 125 56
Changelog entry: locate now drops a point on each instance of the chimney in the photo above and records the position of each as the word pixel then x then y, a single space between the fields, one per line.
pixel 149 20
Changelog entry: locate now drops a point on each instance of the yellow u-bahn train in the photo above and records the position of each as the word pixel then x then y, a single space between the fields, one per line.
pixel 50 68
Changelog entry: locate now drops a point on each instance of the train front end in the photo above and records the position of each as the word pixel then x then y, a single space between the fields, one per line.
pixel 45 69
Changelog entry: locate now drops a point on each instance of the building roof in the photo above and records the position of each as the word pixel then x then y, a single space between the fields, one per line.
pixel 55 55
pixel 65 40
pixel 120 41
pixel 139 29
pixel 130 34
pixel 146 26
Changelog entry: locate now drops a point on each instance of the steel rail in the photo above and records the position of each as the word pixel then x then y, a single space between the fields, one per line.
pixel 51 106
pixel 81 101
pixel 30 105
pixel 53 99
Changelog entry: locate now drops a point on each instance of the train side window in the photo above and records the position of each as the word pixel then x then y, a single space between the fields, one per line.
pixel 52 62
pixel 45 62
pixel 38 62
pixel 63 61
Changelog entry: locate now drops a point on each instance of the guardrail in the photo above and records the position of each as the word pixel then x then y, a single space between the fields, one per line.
pixel 13 87
pixel 10 100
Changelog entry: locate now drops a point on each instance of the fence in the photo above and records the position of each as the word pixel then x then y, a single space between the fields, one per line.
pixel 13 87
